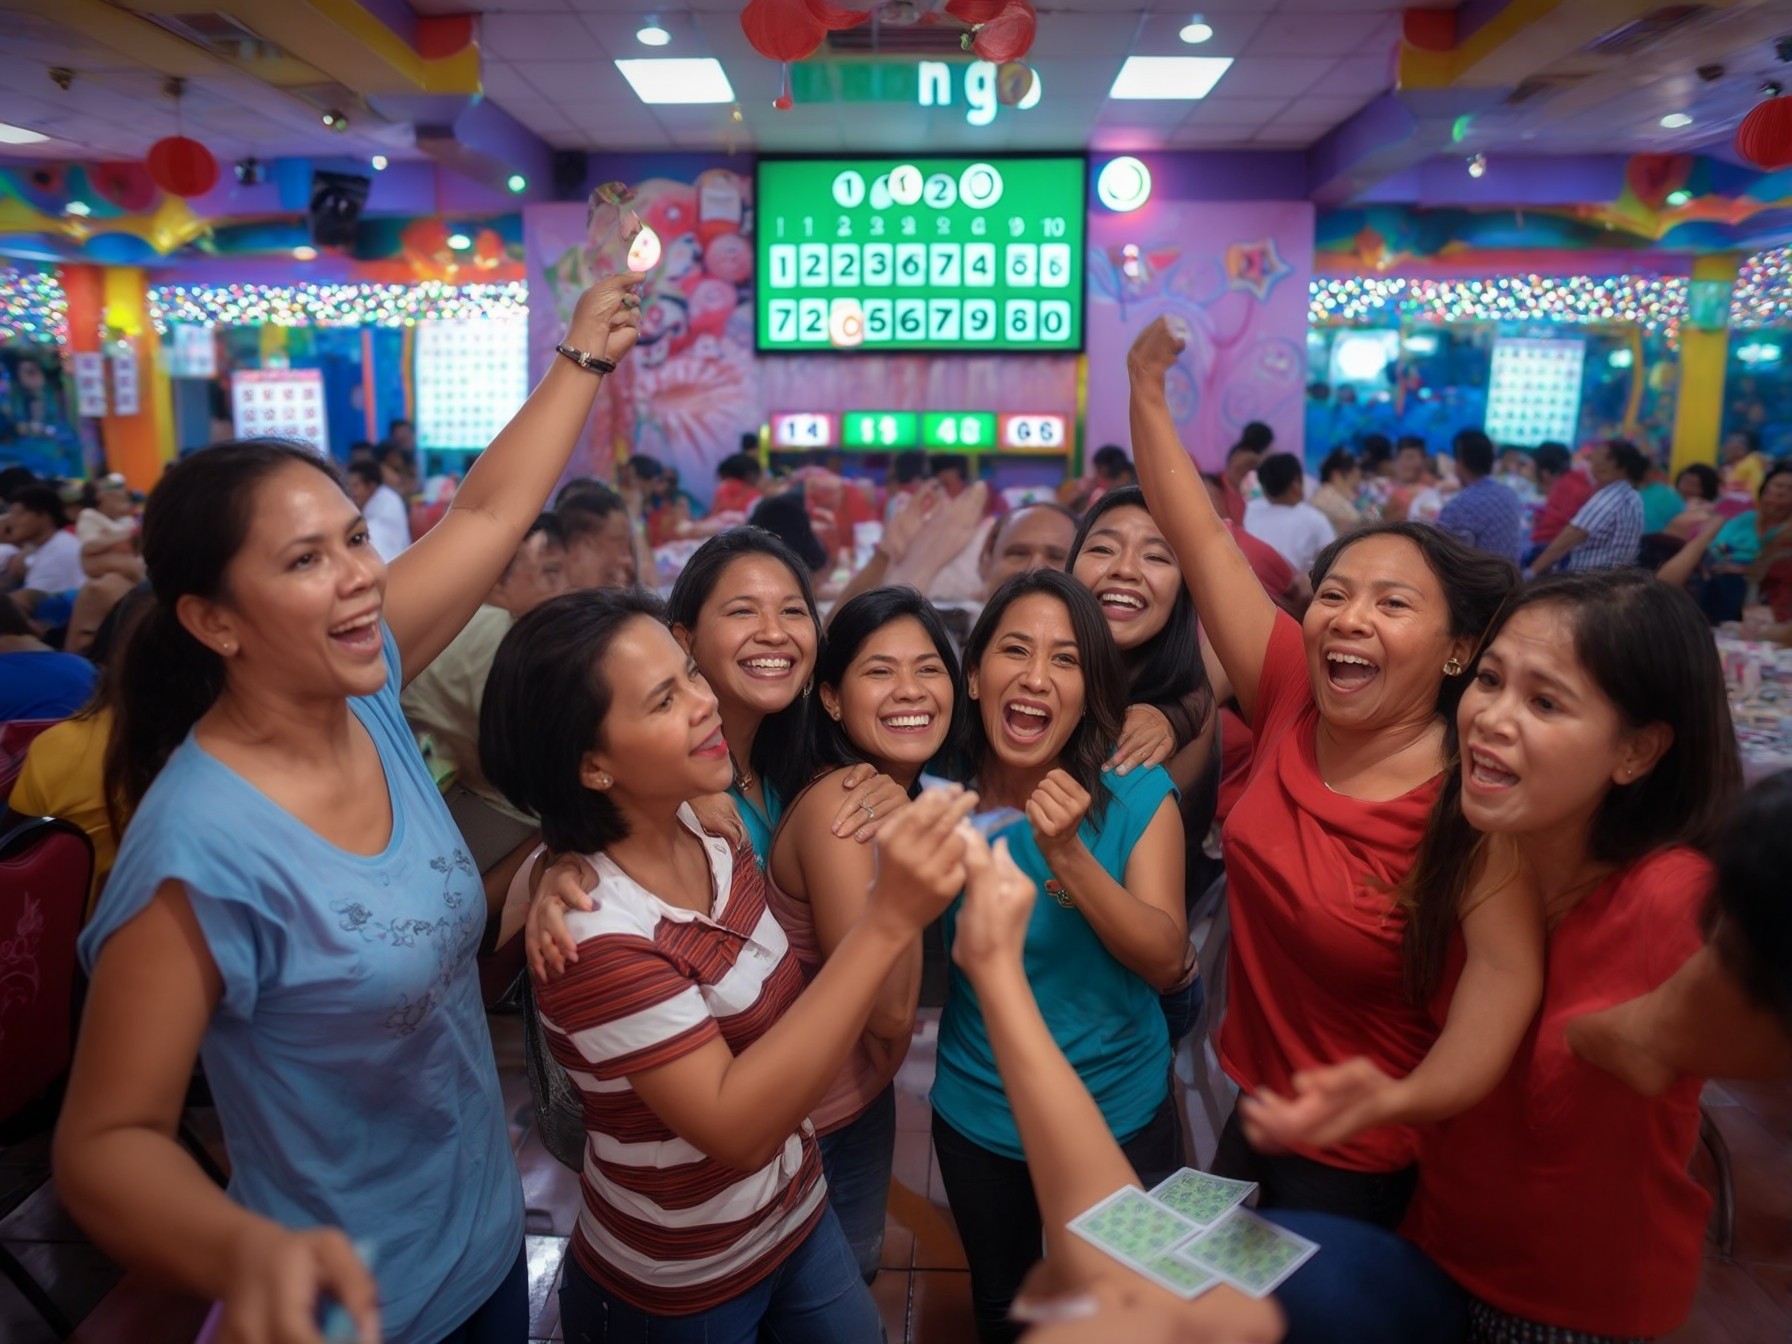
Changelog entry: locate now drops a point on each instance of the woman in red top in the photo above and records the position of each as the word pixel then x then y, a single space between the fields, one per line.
pixel 1349 714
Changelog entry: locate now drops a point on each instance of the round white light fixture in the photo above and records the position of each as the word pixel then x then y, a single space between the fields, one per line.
pixel 1124 184
pixel 1477 166
pixel 459 242
pixel 517 183
pixel 1675 120
pixel 379 163
pixel 1621 358
pixel 304 252
pixel 1196 31
pixel 1680 197
pixel 652 35
pixel 80 208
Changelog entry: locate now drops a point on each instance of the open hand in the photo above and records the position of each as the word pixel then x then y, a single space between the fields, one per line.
pixel 871 800
pixel 1146 740
pixel 569 883
pixel 277 1278
pixel 905 524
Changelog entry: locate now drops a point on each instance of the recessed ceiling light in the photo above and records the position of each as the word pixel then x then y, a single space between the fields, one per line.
pixel 1477 166
pixel 1675 120
pixel 304 252
pixel 18 135
pixel 1196 31
pixel 1124 184
pixel 678 80
pixel 652 35
pixel 80 208
pixel 459 242
pixel 1680 197
pixel 379 163
pixel 1169 77
pixel 517 184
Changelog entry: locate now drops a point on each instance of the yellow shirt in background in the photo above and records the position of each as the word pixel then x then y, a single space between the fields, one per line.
pixel 65 776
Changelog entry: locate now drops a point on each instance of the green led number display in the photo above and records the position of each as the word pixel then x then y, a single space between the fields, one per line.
pixel 967 431
pixel 877 430
pixel 920 254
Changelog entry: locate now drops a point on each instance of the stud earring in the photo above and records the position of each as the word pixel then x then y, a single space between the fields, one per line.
pixel 604 781
pixel 808 686
pixel 226 647
pixel 1452 668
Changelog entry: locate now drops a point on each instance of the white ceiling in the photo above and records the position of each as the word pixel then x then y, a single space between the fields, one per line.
pixel 1301 67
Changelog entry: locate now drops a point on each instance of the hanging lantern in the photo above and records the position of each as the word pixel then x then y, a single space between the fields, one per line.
pixel 975 12
pixel 1008 36
pixel 1651 177
pixel 782 30
pixel 834 18
pixel 182 167
pixel 1014 82
pixel 1765 136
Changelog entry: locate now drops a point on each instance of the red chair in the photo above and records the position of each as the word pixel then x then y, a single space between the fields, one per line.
pixel 45 868
pixel 16 737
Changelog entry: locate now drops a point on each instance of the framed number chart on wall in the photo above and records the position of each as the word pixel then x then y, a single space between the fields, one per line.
pixel 886 255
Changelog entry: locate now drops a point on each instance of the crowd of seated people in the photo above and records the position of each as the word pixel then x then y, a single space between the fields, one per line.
pixel 341 799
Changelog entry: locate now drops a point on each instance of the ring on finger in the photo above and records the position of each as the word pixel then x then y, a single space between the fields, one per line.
pixel 870 811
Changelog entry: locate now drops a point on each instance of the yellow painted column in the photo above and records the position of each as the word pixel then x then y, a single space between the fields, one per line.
pixel 1699 404
pixel 138 445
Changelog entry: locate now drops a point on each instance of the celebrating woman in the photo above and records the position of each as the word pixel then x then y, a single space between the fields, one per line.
pixel 685 1022
pixel 1107 848
pixel 1349 713
pixel 292 899
pixel 889 695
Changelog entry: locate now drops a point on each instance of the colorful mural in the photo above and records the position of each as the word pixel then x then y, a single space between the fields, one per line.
pixel 1238 274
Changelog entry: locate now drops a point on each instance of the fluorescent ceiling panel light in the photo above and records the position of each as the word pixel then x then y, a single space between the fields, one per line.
pixel 18 135
pixel 678 80
pixel 1184 78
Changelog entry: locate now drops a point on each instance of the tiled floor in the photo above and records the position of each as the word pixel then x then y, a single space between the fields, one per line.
pixel 923 1290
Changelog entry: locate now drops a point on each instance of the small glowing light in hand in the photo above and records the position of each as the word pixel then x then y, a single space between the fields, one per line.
pixel 644 252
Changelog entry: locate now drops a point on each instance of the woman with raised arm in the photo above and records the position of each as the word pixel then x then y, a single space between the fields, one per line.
pixel 890 695
pixel 686 1023
pixel 292 900
pixel 1108 850
pixel 1349 709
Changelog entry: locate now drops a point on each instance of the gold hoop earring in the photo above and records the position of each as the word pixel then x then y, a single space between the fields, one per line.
pixel 1452 668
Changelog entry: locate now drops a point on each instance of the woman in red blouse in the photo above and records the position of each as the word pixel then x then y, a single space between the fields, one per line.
pixel 1349 710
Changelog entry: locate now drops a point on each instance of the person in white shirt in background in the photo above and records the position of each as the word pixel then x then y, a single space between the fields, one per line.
pixel 388 521
pixel 1283 518
pixel 49 557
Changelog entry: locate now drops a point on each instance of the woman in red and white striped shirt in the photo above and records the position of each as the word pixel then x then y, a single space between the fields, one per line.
pixel 683 1019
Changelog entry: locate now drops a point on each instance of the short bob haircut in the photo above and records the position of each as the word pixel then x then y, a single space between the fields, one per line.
pixel 1475 583
pixel 544 708
pixel 1104 679
pixel 1648 649
pixel 826 745
pixel 772 759
pixel 1167 667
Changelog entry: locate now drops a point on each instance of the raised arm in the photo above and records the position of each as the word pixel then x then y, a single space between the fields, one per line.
pixel 129 1183
pixel 1684 563
pixel 741 1109
pixel 1236 615
pixel 437 584
pixel 834 874
pixel 1073 1159
pixel 1490 1010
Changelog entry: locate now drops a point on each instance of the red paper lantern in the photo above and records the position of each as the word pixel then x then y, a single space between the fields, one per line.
pixel 182 167
pixel 1009 35
pixel 834 18
pixel 1651 177
pixel 1765 136
pixel 974 12
pixel 782 30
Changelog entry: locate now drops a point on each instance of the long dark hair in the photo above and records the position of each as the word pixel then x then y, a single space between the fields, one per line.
pixel 1474 583
pixel 544 708
pixel 826 745
pixel 1104 679
pixel 1167 668
pixel 1750 920
pixel 772 758
pixel 1648 649
pixel 194 523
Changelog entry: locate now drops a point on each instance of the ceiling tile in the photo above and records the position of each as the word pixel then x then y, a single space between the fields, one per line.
pixel 1363 75
pixel 1254 76
pixel 1144 112
pixel 1326 112
pixel 1295 34
pixel 576 81
pixel 1248 112
pixel 538 37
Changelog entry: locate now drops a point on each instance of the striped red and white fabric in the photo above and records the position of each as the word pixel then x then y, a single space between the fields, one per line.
pixel 663 1227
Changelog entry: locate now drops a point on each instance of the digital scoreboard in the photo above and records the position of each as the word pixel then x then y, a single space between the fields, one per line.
pixel 880 255
pixel 971 432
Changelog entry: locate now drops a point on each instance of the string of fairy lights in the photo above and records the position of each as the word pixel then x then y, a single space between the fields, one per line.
pixel 33 308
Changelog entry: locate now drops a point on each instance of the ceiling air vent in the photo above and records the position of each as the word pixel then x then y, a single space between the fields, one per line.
pixel 936 40
pixel 1539 86
pixel 1646 31
pixel 219 34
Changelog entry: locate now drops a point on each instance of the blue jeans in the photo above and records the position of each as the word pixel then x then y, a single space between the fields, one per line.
pixel 815 1297
pixel 1366 1286
pixel 503 1318
pixel 857 1161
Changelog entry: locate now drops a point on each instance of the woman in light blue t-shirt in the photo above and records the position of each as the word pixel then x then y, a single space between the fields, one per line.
pixel 1107 933
pixel 293 904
